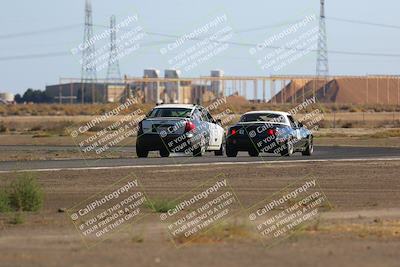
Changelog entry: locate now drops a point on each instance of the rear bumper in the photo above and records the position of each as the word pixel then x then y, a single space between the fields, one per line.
pixel 248 144
pixel 184 143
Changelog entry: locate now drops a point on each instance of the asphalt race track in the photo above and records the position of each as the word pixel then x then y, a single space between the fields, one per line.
pixel 321 153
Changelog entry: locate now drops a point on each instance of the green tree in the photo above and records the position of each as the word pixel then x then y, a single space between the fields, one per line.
pixel 35 96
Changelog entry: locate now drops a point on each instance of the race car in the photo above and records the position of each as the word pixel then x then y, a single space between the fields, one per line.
pixel 179 128
pixel 269 132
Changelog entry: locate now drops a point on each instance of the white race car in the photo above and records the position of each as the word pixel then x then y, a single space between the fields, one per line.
pixel 178 128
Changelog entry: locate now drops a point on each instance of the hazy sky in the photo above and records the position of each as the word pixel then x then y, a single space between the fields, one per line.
pixel 24 24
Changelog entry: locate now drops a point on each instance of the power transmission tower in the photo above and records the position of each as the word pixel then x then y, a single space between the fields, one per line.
pixel 88 73
pixel 113 72
pixel 322 58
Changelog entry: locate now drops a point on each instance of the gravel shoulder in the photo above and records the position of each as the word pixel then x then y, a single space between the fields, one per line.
pixel 362 229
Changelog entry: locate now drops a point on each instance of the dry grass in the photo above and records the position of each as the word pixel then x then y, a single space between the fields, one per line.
pixel 385 134
pixel 57 125
pixel 359 133
pixel 64 109
pixel 222 232
pixel 239 106
pixel 361 120
pixel 378 228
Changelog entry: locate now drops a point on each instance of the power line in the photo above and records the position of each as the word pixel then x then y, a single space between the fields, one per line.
pixel 362 53
pixel 31 56
pixel 253 29
pixel 286 48
pixel 49 30
pixel 264 27
pixel 62 53
pixel 339 52
pixel 257 28
pixel 364 23
pixel 272 47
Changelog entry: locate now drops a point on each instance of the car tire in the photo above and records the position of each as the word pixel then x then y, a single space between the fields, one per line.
pixel 164 153
pixel 231 152
pixel 310 148
pixel 288 150
pixel 141 153
pixel 199 149
pixel 221 150
pixel 253 153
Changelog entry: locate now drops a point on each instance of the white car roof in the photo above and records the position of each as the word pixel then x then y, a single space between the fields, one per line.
pixel 281 113
pixel 188 106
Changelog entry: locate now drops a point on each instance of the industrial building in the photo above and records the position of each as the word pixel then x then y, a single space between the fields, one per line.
pixel 6 98
pixel 170 89
pixel 71 92
pixel 176 89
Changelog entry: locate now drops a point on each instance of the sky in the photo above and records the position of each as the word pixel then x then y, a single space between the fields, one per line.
pixel 54 28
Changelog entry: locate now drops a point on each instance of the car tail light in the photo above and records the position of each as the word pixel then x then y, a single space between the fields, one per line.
pixel 233 132
pixel 271 131
pixel 190 126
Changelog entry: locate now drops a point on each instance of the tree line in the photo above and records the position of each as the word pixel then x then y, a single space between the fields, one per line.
pixel 34 96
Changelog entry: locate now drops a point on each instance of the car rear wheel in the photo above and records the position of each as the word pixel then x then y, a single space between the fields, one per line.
pixel 231 152
pixel 164 153
pixel 199 151
pixel 141 153
pixel 200 148
pixel 253 153
pixel 310 148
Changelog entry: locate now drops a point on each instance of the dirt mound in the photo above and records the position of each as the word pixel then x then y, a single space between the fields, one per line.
pixel 371 90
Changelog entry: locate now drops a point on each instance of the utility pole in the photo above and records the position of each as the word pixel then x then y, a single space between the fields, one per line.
pixel 113 72
pixel 322 58
pixel 88 73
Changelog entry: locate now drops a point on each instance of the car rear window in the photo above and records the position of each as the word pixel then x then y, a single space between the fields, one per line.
pixel 170 113
pixel 264 117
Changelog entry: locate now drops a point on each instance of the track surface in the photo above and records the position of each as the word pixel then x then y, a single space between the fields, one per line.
pixel 321 153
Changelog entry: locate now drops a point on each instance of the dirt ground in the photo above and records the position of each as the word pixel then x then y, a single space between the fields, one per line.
pixel 362 229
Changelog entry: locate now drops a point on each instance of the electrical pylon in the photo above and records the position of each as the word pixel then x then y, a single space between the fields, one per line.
pixel 113 71
pixel 322 58
pixel 88 73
